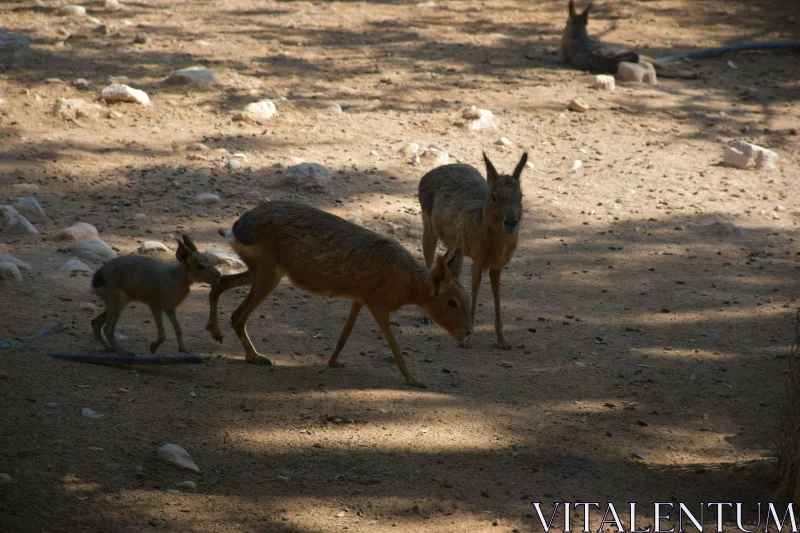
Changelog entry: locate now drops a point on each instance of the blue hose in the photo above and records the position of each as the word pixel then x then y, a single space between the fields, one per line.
pixel 732 48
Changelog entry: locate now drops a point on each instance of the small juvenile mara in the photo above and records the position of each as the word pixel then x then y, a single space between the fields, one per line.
pixel 328 256
pixel 476 217
pixel 162 286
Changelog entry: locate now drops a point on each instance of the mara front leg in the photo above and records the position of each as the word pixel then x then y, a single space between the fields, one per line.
pixel 494 278
pixel 477 274
pixel 382 318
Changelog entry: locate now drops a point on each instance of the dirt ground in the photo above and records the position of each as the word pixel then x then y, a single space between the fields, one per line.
pixel 650 303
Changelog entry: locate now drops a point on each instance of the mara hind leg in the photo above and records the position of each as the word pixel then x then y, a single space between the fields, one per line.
pixel 97 327
pixel 263 282
pixel 116 303
pixel 224 284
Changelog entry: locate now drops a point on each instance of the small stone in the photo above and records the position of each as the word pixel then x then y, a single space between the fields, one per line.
pixel 256 111
pixel 174 454
pixel 91 414
pixel 415 160
pixel 307 175
pixel 235 164
pixel 152 247
pixel 72 109
pixel 758 155
pixel 357 221
pixel 8 212
pixel 578 105
pixel 224 257
pixel 20 225
pixel 72 11
pixel 5 479
pixel 142 38
pixel 88 307
pixel 22 265
pixel 196 147
pixel 102 29
pixel 83 84
pixel 139 216
pixel 605 82
pixel 74 266
pixel 112 5
pixel 409 149
pixel 576 165
pixel 76 232
pixel 440 157
pixel 415 233
pixel 111 80
pixel 206 198
pixel 735 158
pixel 9 271
pixel 119 92
pixel 187 486
pixel 199 76
pixel 650 77
pixel 334 108
pixel 503 141
pixel 633 72
pixel 479 119
pixel 51 405
pixel 26 188
pixel 30 208
pixel 93 249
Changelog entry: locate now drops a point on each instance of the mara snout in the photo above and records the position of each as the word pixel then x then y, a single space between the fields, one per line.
pixel 329 256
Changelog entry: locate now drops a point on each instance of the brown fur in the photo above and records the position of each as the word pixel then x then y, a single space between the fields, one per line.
pixel 162 286
pixel 477 217
pixel 581 51
pixel 328 256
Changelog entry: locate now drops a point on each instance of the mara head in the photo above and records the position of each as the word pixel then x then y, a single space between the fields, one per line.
pixel 448 304
pixel 198 266
pixel 503 208
pixel 575 20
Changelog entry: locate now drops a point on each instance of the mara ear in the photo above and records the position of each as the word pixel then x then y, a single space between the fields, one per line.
pixel 439 276
pixel 586 11
pixel 571 9
pixel 491 173
pixel 455 263
pixel 521 165
pixel 183 252
pixel 189 243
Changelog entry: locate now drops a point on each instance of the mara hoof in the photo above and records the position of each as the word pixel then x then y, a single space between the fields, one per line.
pixel 414 383
pixel 258 359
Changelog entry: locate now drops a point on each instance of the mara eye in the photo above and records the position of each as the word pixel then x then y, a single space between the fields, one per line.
pixel 452 303
pixel 201 267
pixel 494 197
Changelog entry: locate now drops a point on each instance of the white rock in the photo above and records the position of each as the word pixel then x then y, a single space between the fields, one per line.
pixel 760 156
pixel 22 265
pixel 88 307
pixel 139 216
pixel 5 479
pixel 76 232
pixel 187 486
pixel 440 157
pixel 256 111
pixel 240 155
pixel 735 158
pixel 224 257
pixel 74 266
pixel 206 198
pixel 334 108
pixel 503 141
pixel 605 82
pixel 8 212
pixel 357 221
pixel 112 5
pixel 91 414
pixel 415 160
pixel 200 76
pixel 479 119
pixel 633 72
pixel 30 208
pixel 75 108
pixel 151 247
pixel 196 147
pixel 174 454
pixel 650 77
pixel 93 249
pixel 235 164
pixel 307 175
pixel 415 233
pixel 119 92
pixel 9 271
pixel 409 149
pixel 20 225
pixel 578 105
pixel 72 11
pixel 576 165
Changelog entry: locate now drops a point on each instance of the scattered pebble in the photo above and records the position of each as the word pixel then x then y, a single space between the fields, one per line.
pixel 256 111
pixel 307 175
pixel 409 149
pixel 334 108
pixel 206 198
pixel 72 11
pixel 88 307
pixel 9 271
pixel 440 157
pixel 72 109
pixel 74 266
pixel 142 38
pixel 119 92
pixel 52 405
pixel 90 414
pixel 415 233
pixel 112 5
pixel 93 249
pixel 578 105
pixel 357 221
pixel 187 486
pixel 605 82
pixel 222 257
pixel 150 247
pixel 174 454
pixel 199 76
pixel 743 155
pixel 76 232
pixel 576 165
pixel 479 119
pixel 196 147
pixel 139 216
pixel 503 141
pixel 235 164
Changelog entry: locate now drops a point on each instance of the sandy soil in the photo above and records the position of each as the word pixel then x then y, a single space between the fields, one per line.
pixel 650 303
